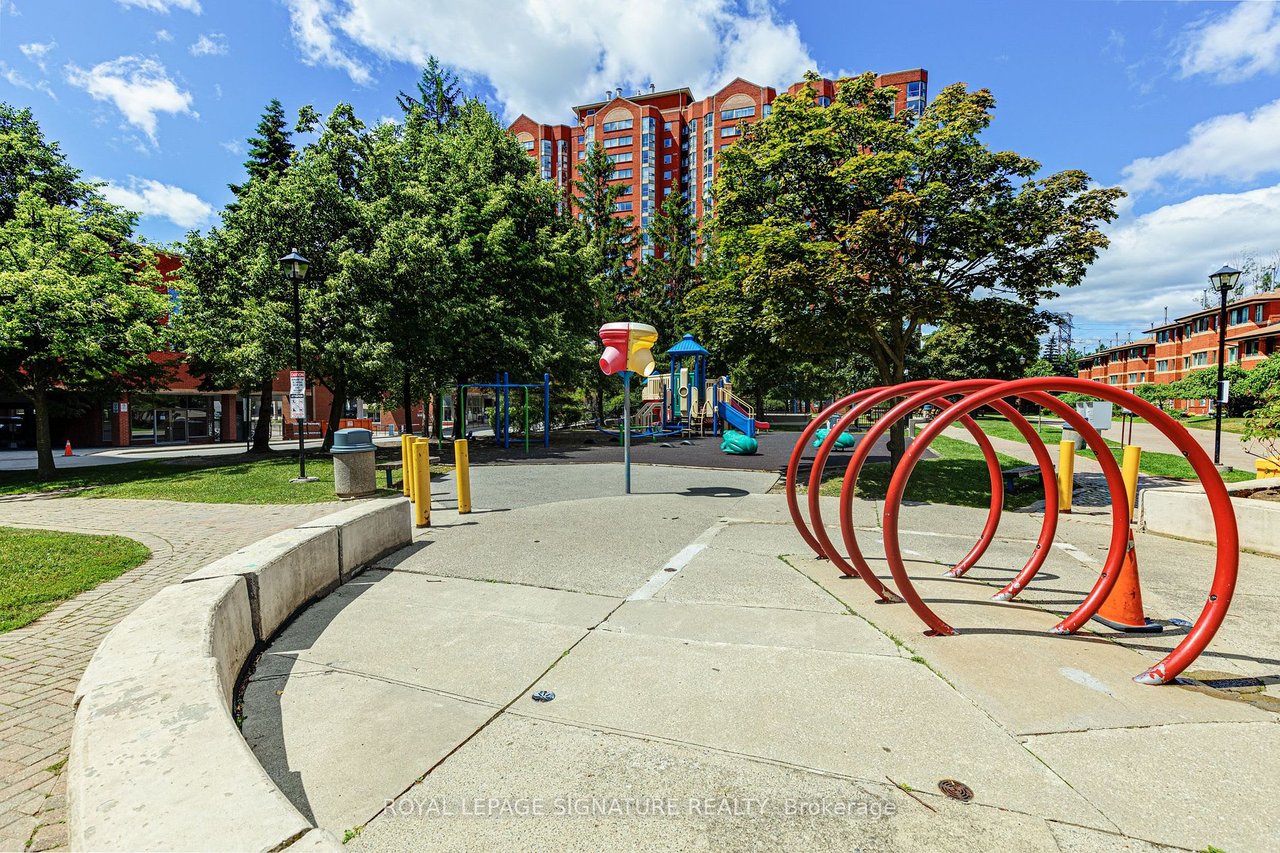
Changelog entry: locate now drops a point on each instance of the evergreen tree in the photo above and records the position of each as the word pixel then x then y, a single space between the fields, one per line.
pixel 667 275
pixel 610 237
pixel 439 98
pixel 271 151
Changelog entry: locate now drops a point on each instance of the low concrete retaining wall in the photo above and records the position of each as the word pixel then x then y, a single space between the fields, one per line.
pixel 1184 513
pixel 157 760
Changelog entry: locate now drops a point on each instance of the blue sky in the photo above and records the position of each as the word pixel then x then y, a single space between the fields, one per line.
pixel 1178 102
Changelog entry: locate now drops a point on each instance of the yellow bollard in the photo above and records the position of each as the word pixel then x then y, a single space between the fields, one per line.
pixel 405 453
pixel 1129 470
pixel 462 474
pixel 1066 471
pixel 407 466
pixel 422 482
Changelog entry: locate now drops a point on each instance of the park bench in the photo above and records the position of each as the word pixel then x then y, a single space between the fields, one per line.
pixel 1013 475
pixel 393 465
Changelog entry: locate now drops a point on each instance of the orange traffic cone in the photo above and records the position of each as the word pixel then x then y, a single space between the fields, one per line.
pixel 1123 608
pixel 66 451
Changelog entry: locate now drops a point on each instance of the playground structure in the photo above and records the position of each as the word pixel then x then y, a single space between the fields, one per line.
pixel 502 386
pixel 683 401
pixel 971 395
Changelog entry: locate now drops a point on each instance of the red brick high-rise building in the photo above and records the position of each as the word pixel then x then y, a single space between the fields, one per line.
pixel 665 142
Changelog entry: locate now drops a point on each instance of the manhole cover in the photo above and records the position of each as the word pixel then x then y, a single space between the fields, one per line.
pixel 956 790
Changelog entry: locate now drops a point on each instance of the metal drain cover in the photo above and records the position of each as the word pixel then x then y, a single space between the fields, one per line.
pixel 956 790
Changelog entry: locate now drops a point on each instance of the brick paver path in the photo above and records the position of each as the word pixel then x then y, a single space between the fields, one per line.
pixel 41 663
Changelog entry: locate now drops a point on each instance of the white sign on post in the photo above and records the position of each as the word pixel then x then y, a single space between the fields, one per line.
pixel 297 394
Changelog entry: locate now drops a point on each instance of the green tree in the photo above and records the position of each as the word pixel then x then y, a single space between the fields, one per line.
pixel 472 264
pixel 992 338
pixel 610 237
pixel 439 97
pixel 30 163
pixel 237 323
pixel 852 227
pixel 81 306
pixel 271 151
pixel 666 276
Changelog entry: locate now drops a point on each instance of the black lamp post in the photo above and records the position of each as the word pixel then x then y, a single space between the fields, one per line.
pixel 1224 281
pixel 295 269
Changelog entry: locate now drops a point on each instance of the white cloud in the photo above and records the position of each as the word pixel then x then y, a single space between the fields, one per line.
pixel 152 198
pixel 36 52
pixel 541 57
pixel 319 43
pixel 1235 147
pixel 213 44
pixel 15 78
pixel 1236 45
pixel 235 146
pixel 139 87
pixel 1163 258
pixel 164 6
pixel 164 35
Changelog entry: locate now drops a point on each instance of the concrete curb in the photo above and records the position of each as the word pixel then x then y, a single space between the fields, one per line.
pixel 1184 513
pixel 157 760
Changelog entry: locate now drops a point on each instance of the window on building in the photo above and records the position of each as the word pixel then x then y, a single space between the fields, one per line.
pixel 618 142
pixel 1199 359
pixel 1257 313
pixel 731 130
pixel 581 154
pixel 1233 354
pixel 528 144
pixel 611 126
pixel 668 142
pixel 824 101
pixel 916 96
pixel 621 157
pixel 620 174
pixel 1251 348
pixel 621 206
pixel 666 125
pixel 1162 365
pixel 740 112
pixel 666 174
pixel 666 159
pixel 767 110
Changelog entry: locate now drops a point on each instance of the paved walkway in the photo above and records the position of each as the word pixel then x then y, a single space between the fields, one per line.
pixel 718 688
pixel 41 663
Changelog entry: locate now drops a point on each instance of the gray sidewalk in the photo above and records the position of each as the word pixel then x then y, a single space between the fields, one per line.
pixel 718 688
pixel 41 663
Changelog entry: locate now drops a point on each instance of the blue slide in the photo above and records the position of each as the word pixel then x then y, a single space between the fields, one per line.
pixel 737 419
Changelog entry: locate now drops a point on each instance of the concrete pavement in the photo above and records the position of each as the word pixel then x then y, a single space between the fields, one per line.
pixel 41 663
pixel 718 688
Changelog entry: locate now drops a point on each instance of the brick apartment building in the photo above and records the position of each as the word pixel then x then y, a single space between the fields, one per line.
pixel 665 142
pixel 1173 350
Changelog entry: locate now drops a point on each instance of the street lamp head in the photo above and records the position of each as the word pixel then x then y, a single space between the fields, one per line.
pixel 1224 280
pixel 294 265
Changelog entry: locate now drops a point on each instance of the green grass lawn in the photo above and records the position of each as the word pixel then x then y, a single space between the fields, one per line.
pixel 958 477
pixel 242 479
pixel 1155 464
pixel 39 569
pixel 1206 422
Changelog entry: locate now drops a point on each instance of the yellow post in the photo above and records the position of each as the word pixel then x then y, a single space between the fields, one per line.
pixel 462 474
pixel 422 482
pixel 1129 470
pixel 405 453
pixel 1066 471
pixel 407 466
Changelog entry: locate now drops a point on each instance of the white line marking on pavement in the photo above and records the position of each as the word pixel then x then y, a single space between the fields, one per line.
pixel 1076 552
pixel 676 563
